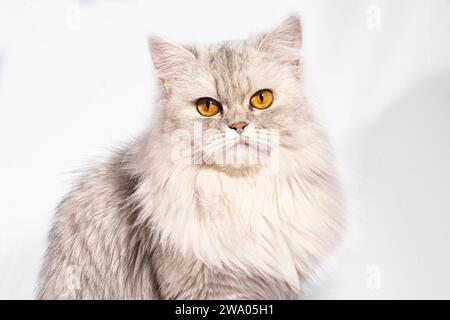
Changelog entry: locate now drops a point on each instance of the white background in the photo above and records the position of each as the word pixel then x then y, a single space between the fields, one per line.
pixel 76 79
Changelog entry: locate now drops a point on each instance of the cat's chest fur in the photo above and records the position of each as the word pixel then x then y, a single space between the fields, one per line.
pixel 268 226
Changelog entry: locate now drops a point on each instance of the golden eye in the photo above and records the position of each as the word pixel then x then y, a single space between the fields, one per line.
pixel 262 99
pixel 208 107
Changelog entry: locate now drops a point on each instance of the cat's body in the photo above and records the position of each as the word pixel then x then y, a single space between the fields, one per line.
pixel 144 225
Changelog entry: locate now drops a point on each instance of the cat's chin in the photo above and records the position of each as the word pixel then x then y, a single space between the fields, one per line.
pixel 235 169
pixel 241 161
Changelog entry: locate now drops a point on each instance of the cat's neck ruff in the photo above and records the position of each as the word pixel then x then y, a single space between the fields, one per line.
pixel 278 225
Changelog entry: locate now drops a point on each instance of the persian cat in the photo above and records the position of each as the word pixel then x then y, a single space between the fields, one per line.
pixel 232 192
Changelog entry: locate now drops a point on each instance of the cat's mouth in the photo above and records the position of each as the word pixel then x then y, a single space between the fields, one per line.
pixel 243 141
pixel 248 142
pixel 244 150
pixel 243 144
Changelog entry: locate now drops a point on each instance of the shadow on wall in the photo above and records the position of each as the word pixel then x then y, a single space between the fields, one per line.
pixel 405 191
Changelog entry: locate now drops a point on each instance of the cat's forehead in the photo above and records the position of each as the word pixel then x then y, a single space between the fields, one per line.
pixel 229 52
pixel 229 65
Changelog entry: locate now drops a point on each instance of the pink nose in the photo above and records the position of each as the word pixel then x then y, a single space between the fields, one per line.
pixel 238 126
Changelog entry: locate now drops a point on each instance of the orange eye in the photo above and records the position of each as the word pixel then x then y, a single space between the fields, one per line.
pixel 208 107
pixel 262 99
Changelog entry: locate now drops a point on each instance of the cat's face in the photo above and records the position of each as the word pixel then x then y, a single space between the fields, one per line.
pixel 234 103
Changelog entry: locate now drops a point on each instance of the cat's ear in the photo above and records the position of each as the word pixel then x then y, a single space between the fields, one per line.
pixel 168 58
pixel 284 41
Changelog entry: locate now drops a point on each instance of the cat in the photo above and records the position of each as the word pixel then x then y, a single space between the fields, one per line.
pixel 232 193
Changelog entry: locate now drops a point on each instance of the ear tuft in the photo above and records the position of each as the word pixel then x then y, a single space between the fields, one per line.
pixel 285 39
pixel 168 57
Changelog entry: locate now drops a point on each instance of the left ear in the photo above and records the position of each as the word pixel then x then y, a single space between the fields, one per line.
pixel 284 41
pixel 168 58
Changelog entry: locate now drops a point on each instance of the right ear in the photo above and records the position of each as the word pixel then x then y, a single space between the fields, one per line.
pixel 168 57
pixel 284 41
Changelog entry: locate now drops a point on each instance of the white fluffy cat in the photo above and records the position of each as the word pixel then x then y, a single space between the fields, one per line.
pixel 232 192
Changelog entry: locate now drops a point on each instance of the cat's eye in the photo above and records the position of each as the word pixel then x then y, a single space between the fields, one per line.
pixel 208 107
pixel 262 99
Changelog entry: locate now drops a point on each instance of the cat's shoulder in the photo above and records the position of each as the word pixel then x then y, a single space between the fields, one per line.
pixel 100 194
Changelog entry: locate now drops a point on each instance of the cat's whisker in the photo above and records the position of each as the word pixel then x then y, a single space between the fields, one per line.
pixel 223 146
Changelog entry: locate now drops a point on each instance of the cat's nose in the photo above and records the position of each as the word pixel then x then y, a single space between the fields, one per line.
pixel 238 126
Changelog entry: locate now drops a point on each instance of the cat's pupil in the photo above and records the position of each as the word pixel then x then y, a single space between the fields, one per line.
pixel 261 97
pixel 207 104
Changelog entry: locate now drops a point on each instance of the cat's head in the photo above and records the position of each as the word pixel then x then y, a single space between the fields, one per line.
pixel 234 103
